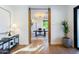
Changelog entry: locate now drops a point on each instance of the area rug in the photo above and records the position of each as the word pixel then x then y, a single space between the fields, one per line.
pixel 35 46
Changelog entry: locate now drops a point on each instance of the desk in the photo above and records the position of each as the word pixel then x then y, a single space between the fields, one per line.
pixel 40 32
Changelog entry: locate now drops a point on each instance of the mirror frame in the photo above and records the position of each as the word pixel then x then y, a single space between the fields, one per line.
pixel 9 12
pixel 75 27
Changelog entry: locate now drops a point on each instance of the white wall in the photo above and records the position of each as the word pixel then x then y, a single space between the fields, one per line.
pixel 10 9
pixel 19 15
pixel 5 20
pixel 21 20
pixel 58 14
pixel 4 26
pixel 70 18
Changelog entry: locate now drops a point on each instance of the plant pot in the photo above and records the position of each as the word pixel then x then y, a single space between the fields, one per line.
pixel 67 42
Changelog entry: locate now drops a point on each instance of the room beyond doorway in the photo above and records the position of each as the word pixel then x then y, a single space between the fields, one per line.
pixel 39 28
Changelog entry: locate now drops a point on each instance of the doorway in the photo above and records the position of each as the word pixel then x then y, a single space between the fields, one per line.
pixel 37 30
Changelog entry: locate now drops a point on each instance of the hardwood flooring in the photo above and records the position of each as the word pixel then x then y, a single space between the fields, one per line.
pixel 45 49
pixel 53 49
pixel 59 49
pixel 17 48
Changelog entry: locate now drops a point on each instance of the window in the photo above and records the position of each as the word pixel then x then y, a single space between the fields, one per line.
pixel 45 24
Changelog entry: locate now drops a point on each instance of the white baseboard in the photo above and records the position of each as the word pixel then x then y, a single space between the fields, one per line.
pixel 56 43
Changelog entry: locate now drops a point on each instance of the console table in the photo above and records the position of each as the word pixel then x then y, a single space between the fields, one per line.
pixel 9 42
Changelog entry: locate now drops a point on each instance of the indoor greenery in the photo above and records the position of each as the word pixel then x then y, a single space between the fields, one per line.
pixel 65 27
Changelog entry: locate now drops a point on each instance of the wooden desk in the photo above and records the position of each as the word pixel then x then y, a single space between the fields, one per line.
pixel 40 33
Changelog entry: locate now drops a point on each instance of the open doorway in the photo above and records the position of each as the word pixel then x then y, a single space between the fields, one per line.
pixel 39 24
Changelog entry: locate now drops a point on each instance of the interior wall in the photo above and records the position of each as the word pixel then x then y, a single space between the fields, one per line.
pixel 21 20
pixel 62 13
pixel 19 16
pixel 5 20
pixel 4 26
pixel 58 14
pixel 10 9
pixel 70 18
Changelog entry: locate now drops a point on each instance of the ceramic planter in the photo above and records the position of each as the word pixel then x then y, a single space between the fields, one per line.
pixel 67 42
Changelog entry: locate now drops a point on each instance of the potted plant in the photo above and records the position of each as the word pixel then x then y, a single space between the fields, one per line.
pixel 66 40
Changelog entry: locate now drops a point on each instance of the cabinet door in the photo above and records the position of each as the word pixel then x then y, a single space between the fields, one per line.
pixel 6 45
pixel 16 40
pixel 0 46
pixel 12 43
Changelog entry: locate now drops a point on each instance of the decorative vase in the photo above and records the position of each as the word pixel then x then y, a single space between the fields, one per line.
pixel 9 34
pixel 67 42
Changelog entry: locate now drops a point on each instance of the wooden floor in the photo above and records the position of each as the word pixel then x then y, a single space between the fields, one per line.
pixel 59 49
pixel 52 49
pixel 17 48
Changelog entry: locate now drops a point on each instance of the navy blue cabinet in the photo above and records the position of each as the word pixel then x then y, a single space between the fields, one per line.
pixel 9 42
